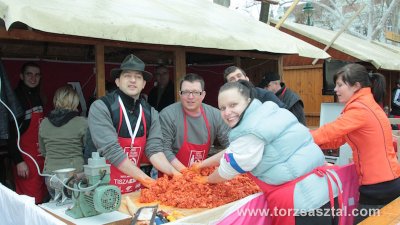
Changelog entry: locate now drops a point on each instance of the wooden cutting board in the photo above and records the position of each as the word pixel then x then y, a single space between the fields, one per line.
pixel 177 212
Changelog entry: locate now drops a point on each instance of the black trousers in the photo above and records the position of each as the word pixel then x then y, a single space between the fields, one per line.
pixel 375 196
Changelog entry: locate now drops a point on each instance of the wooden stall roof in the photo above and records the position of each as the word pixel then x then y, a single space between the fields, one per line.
pixel 382 56
pixel 190 23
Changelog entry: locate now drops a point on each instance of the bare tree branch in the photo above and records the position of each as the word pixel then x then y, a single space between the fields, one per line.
pixel 335 7
pixel 336 14
pixel 383 19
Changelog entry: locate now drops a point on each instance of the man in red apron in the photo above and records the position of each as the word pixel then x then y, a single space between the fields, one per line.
pixel 27 179
pixel 190 153
pixel 125 129
pixel 190 127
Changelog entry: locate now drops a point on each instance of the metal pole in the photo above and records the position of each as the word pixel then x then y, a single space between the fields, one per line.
pixel 287 13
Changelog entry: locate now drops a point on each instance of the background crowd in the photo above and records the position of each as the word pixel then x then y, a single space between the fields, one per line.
pixel 261 129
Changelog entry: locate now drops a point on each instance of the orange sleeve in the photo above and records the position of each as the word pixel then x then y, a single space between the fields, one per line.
pixel 332 135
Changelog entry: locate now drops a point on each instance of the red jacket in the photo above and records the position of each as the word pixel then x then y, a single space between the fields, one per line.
pixel 366 128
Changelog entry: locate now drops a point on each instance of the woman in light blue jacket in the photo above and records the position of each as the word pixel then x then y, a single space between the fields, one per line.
pixel 279 153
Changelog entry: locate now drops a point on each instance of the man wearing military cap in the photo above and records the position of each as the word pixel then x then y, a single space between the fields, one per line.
pixel 125 128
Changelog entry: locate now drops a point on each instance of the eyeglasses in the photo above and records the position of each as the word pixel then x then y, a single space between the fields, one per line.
pixel 194 93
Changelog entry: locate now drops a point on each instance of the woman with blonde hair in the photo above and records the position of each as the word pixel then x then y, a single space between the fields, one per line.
pixel 62 134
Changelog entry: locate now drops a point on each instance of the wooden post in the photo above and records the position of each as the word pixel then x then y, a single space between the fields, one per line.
pixel 287 13
pixel 340 32
pixel 100 71
pixel 280 67
pixel 180 69
pixel 264 12
pixel 237 61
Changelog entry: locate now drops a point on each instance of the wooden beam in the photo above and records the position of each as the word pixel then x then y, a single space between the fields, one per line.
pixel 264 12
pixel 287 13
pixel 180 69
pixel 316 114
pixel 29 35
pixel 245 54
pixel 280 67
pixel 302 67
pixel 269 1
pixel 340 32
pixel 237 61
pixel 100 71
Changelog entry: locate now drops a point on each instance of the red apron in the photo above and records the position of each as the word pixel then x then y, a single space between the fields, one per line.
pixel 134 148
pixel 190 153
pixel 34 184
pixel 282 196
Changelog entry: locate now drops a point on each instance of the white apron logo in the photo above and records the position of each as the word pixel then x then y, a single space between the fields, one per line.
pixel 196 156
pixel 133 154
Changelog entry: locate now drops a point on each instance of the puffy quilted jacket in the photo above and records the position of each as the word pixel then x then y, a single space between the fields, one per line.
pixel 289 152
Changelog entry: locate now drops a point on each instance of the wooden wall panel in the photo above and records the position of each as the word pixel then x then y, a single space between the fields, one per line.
pixel 307 82
pixel 257 68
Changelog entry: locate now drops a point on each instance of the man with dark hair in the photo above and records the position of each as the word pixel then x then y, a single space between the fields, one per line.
pixel 27 178
pixel 396 100
pixel 162 95
pixel 234 73
pixel 395 104
pixel 124 127
pixel 272 82
pixel 190 127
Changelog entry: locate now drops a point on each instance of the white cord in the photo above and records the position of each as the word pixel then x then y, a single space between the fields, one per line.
pixel 34 161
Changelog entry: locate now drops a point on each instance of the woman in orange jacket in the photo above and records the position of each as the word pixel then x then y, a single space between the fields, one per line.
pixel 365 127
